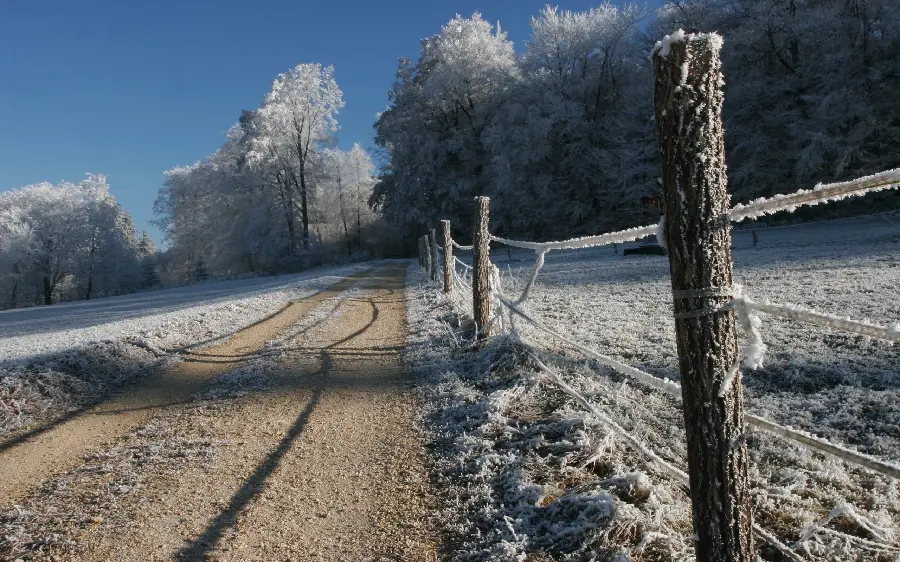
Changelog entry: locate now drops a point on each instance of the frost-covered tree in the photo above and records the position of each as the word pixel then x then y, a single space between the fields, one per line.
pixel 432 131
pixel 345 186
pixel 65 241
pixel 573 140
pixel 812 88
pixel 276 197
pixel 298 117
pixel 560 137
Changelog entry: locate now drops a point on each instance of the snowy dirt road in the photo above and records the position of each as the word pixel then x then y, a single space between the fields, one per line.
pixel 303 448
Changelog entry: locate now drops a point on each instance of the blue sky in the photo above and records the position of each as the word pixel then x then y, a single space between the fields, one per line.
pixel 130 89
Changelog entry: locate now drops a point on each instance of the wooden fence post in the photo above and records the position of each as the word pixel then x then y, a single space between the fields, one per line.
pixel 432 238
pixel 422 254
pixel 481 264
pixel 697 231
pixel 426 253
pixel 448 256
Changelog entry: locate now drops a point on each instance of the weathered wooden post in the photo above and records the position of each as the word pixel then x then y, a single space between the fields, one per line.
pixel 448 256
pixel 422 254
pixel 481 267
pixel 435 260
pixel 427 253
pixel 688 104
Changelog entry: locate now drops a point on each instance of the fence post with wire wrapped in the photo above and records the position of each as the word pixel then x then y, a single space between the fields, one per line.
pixel 697 233
pixel 481 263
pixel 435 258
pixel 426 253
pixel 448 256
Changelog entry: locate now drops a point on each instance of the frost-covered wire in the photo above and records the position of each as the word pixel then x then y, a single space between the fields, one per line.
pixel 817 443
pixel 459 246
pixel 810 441
pixel 618 429
pixel 799 313
pixel 665 385
pixel 773 541
pixel 460 281
pixel 821 193
pixel 682 477
pixel 462 263
pixel 538 264
pixel 754 351
pixel 619 237
pixel 847 511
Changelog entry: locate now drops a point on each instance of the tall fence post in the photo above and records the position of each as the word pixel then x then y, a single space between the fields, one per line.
pixel 426 253
pixel 481 267
pixel 421 256
pixel 422 253
pixel 432 238
pixel 448 256
pixel 688 105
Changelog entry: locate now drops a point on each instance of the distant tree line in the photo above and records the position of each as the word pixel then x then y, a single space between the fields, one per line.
pixel 70 242
pixel 561 136
pixel 278 195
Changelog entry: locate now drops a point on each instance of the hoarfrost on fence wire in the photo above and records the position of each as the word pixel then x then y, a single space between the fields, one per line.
pixel 818 396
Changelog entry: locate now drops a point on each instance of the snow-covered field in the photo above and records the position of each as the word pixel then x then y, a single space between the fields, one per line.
pixel 59 357
pixel 532 472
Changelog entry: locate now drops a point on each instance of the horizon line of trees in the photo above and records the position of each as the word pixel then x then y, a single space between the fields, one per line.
pixel 69 242
pixel 562 137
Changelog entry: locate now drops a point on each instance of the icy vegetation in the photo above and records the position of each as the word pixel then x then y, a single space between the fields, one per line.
pixel 55 359
pixel 533 468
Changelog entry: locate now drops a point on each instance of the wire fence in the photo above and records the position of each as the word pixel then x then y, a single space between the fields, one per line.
pixel 707 305
pixel 506 308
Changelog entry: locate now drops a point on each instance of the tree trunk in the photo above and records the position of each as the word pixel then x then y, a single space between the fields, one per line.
pixel 344 220
pixel 48 291
pixel 358 218
pixel 304 206
pixel 688 106
pixel 481 263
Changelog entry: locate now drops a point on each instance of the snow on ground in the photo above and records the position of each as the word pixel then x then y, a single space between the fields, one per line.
pixel 61 357
pixel 529 471
pixel 220 307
